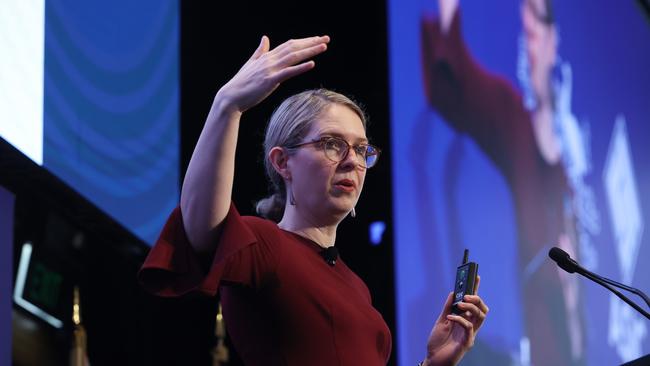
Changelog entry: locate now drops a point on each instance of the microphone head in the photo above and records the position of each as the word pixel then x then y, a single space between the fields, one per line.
pixel 558 254
pixel 562 259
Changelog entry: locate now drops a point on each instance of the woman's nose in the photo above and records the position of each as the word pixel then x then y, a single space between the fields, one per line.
pixel 351 158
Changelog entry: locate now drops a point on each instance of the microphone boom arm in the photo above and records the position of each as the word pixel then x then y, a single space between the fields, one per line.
pixel 605 283
pixel 565 262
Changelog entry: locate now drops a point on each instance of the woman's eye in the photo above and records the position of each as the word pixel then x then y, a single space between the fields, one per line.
pixel 333 145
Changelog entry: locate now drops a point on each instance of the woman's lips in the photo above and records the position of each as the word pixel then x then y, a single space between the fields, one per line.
pixel 345 185
pixel 344 188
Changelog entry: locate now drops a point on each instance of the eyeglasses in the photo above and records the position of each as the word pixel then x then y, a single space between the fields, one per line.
pixel 336 149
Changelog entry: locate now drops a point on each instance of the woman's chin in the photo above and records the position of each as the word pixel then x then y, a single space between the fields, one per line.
pixel 345 204
pixel 340 208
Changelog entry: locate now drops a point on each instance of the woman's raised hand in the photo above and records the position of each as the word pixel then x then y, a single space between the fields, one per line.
pixel 266 69
pixel 207 188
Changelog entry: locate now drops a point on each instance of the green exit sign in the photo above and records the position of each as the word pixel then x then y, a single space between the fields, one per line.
pixel 43 286
pixel 39 289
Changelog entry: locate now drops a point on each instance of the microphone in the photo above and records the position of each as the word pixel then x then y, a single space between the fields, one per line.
pixel 564 261
pixel 330 254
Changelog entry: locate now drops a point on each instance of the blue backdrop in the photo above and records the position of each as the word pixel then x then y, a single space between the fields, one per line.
pixel 111 106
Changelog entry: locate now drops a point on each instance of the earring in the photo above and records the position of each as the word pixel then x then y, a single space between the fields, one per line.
pixel 292 199
pixel 353 213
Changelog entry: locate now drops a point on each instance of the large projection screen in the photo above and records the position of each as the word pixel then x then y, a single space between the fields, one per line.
pixel 517 127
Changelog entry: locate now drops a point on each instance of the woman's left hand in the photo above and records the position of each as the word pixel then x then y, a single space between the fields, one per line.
pixel 453 335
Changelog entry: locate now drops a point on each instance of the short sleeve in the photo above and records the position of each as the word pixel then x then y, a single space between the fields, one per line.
pixel 173 268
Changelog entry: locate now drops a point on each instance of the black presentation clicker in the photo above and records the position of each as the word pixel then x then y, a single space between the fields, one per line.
pixel 465 281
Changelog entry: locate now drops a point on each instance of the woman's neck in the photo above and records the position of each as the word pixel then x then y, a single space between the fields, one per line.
pixel 308 227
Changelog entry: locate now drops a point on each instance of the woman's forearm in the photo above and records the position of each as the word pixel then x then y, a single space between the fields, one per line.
pixel 207 187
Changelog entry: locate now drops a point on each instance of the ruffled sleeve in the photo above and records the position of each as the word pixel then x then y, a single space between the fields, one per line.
pixel 173 268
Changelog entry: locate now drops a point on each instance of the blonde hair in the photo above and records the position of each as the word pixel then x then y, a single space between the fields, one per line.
pixel 288 125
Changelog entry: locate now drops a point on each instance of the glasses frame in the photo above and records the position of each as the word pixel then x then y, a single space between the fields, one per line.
pixel 323 140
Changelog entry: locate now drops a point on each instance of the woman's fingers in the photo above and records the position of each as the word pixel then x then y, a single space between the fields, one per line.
pixel 295 51
pixel 478 283
pixel 469 326
pixel 471 308
pixel 290 65
pixel 294 45
pixel 476 300
pixel 262 48
pixel 462 321
pixel 286 60
pixel 266 69
pixel 472 312
pixel 291 71
pixel 302 54
pixel 474 309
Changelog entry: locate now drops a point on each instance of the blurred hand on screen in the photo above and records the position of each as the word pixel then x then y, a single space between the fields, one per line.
pixel 446 10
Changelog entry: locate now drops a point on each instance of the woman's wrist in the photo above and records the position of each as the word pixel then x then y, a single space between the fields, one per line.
pixel 223 103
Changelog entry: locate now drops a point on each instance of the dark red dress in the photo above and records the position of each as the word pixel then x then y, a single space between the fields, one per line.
pixel 282 303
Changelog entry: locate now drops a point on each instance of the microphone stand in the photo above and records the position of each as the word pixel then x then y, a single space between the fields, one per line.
pixel 607 283
pixel 624 287
pixel 565 262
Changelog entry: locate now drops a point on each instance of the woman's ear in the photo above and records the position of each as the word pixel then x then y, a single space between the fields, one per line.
pixel 279 159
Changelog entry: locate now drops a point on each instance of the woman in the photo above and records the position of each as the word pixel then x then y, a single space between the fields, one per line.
pixel 283 304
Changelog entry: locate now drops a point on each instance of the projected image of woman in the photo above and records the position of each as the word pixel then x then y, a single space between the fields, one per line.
pixel 536 143
pixel 287 297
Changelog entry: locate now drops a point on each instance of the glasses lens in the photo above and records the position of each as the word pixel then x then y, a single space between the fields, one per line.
pixel 361 153
pixel 334 148
pixel 371 156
